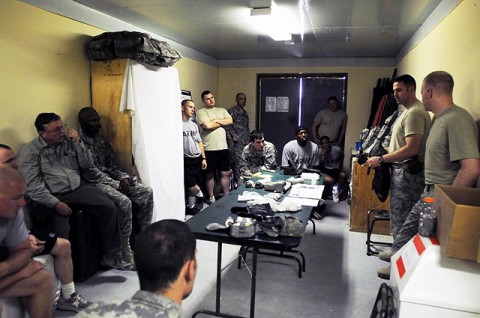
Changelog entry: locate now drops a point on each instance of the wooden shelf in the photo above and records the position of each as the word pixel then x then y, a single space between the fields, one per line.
pixel 364 199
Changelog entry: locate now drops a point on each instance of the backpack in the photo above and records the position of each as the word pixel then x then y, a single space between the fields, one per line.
pixel 135 45
pixel 381 179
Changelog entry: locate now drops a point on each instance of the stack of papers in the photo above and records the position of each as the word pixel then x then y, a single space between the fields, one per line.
pixel 306 194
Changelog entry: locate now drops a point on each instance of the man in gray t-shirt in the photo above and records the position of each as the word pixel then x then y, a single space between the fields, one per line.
pixel 21 276
pixel 300 153
pixel 194 160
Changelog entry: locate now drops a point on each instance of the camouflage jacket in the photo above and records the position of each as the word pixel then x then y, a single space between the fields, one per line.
pixel 239 131
pixel 142 304
pixel 101 151
pixel 253 160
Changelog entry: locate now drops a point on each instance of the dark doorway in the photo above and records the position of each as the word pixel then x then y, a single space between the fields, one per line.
pixel 285 101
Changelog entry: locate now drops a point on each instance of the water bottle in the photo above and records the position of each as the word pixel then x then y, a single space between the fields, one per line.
pixel 335 196
pixel 428 218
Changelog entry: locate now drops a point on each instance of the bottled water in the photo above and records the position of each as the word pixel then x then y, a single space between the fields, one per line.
pixel 335 195
pixel 428 218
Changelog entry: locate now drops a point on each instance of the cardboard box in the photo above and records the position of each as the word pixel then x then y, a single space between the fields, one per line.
pixel 458 227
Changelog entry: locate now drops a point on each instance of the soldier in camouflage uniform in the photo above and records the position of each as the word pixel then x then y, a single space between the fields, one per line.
pixel 120 187
pixel 257 154
pixel 166 265
pixel 409 134
pixel 238 132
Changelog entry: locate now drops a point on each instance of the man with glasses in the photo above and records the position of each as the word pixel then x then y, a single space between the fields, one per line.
pixel 52 165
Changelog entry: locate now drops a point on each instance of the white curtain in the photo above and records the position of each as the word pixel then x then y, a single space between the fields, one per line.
pixel 153 95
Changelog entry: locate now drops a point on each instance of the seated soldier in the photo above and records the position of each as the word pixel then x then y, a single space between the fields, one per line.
pixel 331 158
pixel 300 153
pixel 120 187
pixel 43 243
pixel 258 154
pixel 52 165
pixel 20 276
pixel 165 255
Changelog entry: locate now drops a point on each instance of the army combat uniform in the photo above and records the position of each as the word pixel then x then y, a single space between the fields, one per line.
pixel 142 304
pixel 108 180
pixel 253 160
pixel 238 135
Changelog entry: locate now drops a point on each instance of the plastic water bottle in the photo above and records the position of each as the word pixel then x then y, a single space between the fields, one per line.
pixel 428 218
pixel 335 196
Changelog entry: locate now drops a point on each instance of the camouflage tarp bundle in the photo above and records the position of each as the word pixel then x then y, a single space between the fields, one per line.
pixel 135 45
pixel 282 225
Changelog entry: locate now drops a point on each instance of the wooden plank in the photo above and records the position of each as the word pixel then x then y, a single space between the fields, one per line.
pixel 107 80
pixel 364 199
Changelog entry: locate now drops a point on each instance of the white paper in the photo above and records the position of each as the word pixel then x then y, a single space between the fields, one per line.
pixel 307 191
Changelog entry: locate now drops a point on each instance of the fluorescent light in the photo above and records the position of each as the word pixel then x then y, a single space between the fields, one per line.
pixel 280 36
pixel 260 11
pixel 269 23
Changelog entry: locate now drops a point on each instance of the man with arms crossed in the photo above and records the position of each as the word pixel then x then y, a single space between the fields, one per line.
pixel 194 160
pixel 213 119
pixel 165 254
pixel 451 155
pixel 20 276
pixel 409 134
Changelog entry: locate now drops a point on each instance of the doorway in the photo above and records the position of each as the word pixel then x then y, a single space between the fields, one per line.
pixel 286 101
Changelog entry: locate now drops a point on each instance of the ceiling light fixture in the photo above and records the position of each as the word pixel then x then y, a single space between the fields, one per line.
pixel 264 15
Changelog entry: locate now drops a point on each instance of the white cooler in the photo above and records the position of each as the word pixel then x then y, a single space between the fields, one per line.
pixel 426 283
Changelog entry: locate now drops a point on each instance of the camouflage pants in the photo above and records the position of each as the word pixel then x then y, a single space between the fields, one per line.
pixel 139 194
pixel 410 226
pixel 405 190
pixel 236 151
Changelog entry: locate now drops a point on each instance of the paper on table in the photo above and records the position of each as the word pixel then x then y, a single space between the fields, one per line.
pixel 302 201
pixel 248 196
pixel 306 191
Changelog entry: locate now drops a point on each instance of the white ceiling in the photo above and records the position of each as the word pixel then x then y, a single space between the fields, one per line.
pixel 332 28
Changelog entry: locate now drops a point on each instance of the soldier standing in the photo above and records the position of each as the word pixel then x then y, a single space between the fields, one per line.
pixel 238 133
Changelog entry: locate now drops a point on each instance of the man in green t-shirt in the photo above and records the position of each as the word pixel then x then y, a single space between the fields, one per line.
pixel 212 120
pixel 451 156
pixel 406 154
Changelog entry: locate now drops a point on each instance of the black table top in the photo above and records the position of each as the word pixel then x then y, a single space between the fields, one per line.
pixel 220 211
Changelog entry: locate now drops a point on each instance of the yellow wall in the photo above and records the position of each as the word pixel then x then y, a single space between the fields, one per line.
pixel 197 77
pixel 453 46
pixel 361 81
pixel 45 69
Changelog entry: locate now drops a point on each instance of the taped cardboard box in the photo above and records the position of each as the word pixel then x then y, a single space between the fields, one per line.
pixel 458 227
